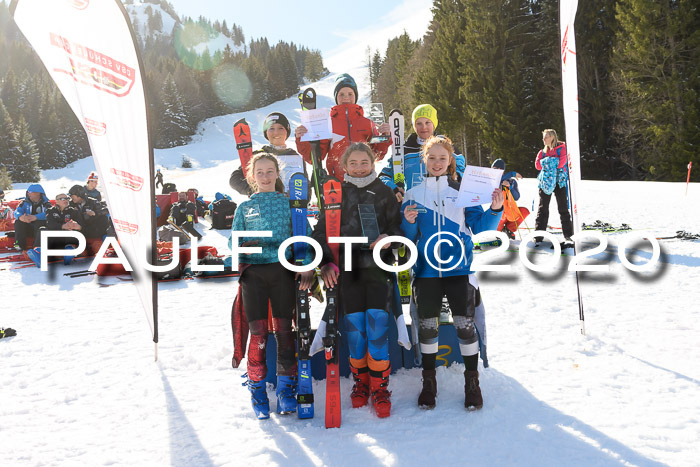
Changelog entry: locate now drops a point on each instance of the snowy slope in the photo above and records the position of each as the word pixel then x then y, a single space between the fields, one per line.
pixel 80 388
pixel 218 43
pixel 79 385
pixel 137 13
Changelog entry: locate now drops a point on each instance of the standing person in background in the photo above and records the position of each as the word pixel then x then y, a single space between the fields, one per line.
pixel 425 121
pixel 349 126
pixel 436 198
pixel 267 285
pixel 30 216
pixel 159 178
pixel 553 178
pixel 276 130
pixel 91 187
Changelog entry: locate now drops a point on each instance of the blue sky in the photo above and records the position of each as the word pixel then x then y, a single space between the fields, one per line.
pixel 318 24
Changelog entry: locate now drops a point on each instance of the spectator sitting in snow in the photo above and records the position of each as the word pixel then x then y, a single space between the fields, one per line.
pixel 6 214
pixel 30 216
pixel 182 214
pixel 91 187
pixel 94 213
pixel 513 215
pixel 63 217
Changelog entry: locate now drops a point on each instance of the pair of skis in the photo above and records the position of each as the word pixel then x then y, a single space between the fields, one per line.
pixel 329 196
pixel 298 190
pixel 332 194
pixel 396 123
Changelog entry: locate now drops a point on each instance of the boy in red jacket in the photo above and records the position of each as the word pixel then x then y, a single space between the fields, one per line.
pixel 349 126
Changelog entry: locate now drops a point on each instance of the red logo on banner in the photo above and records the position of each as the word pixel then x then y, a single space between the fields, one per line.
pixel 95 69
pixel 565 46
pixel 95 128
pixel 127 180
pixel 124 226
pixel 78 4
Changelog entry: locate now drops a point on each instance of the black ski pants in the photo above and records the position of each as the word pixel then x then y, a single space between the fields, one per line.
pixel 462 297
pixel 24 231
pixel 561 194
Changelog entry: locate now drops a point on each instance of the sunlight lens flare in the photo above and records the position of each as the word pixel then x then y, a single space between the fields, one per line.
pixel 191 45
pixel 232 86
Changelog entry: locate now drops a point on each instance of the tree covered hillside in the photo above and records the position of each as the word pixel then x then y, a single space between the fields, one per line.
pixel 195 69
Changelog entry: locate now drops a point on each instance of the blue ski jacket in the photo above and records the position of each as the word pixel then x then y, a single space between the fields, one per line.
pixel 412 165
pixel 38 209
pixel 443 232
pixel 267 211
pixel 513 182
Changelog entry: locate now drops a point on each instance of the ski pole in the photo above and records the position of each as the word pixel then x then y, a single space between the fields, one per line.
pixel 690 166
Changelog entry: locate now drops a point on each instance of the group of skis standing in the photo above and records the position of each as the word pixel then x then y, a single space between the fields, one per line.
pixel 423 205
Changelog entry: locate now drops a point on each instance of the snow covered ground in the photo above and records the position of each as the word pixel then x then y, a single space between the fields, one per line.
pixel 79 385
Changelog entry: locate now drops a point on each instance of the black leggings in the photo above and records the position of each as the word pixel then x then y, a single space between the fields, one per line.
pixel 561 195
pixel 362 289
pixel 268 284
pixel 461 295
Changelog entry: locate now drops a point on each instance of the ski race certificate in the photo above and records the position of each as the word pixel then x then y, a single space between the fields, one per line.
pixel 317 123
pixel 477 185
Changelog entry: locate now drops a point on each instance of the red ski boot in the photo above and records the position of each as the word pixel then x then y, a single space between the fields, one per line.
pixel 381 397
pixel 360 391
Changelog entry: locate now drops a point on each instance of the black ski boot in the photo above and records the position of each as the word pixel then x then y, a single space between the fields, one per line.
pixel 426 399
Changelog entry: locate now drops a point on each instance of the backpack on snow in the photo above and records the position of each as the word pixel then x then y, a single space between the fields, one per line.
pixel 167 232
pixel 222 212
pixel 169 188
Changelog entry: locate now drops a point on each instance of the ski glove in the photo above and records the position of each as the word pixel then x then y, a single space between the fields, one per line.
pixel 9 332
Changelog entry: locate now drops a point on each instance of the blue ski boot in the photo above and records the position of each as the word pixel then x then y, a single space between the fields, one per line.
pixel 258 396
pixel 68 258
pixel 35 256
pixel 286 394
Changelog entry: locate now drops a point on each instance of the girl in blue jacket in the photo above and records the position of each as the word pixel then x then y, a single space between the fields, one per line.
pixel 442 232
pixel 264 283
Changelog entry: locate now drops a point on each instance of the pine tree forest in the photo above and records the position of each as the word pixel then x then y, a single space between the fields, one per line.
pixel 492 70
pixel 184 85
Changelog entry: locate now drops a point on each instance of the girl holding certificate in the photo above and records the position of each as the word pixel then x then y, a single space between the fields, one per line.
pixel 442 232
